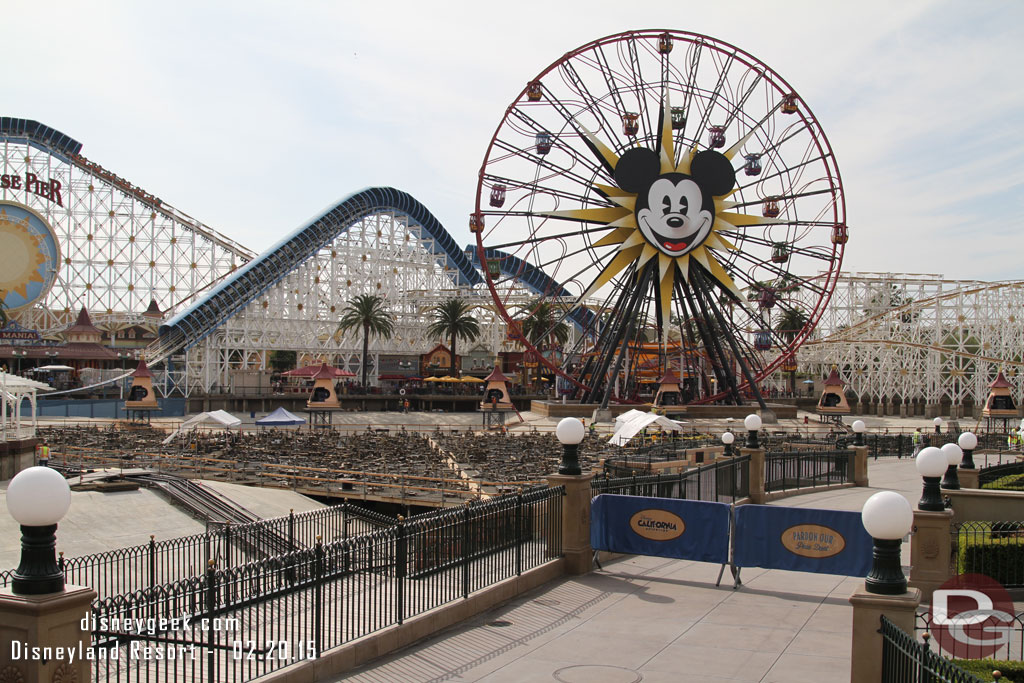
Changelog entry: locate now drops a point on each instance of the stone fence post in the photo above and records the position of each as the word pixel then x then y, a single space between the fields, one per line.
pixel 866 648
pixel 930 548
pixel 53 621
pixel 579 555
pixel 757 493
pixel 860 465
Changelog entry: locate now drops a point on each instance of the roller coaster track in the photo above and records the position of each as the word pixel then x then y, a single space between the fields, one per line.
pixel 243 286
pixel 210 506
pixel 849 335
pixel 68 150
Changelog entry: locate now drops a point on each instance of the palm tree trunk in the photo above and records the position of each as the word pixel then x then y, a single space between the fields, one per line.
pixel 366 347
pixel 454 371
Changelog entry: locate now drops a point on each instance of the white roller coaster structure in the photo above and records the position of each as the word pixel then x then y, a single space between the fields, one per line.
pixel 911 343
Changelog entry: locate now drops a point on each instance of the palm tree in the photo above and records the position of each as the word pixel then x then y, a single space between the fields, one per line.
pixel 367 311
pixel 788 325
pixel 543 327
pixel 452 319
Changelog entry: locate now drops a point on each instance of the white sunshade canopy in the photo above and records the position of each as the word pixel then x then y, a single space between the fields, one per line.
pixel 627 416
pixel 627 430
pixel 214 417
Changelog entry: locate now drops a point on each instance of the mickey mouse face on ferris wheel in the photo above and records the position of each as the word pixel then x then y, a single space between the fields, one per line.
pixel 675 211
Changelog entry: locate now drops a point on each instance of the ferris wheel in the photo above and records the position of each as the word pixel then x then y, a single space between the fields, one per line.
pixel 673 199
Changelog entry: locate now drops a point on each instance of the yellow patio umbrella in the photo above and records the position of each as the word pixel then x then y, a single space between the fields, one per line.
pixel 472 380
pixel 433 379
pixel 447 378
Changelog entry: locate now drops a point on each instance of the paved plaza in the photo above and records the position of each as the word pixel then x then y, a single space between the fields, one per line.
pixel 654 619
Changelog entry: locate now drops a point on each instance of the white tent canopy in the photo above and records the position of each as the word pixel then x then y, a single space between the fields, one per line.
pixel 630 428
pixel 280 417
pixel 215 417
pixel 627 416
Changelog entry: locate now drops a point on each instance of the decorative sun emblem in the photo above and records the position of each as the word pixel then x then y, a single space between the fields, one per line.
pixel 28 254
pixel 675 212
pixel 20 256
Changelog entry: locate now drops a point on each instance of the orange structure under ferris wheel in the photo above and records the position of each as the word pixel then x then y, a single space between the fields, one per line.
pixel 676 192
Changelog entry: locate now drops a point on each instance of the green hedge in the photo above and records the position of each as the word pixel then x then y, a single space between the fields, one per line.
pixel 1011 482
pixel 983 668
pixel 999 558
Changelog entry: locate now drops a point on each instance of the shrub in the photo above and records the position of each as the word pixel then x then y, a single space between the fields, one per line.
pixel 1001 558
pixel 1011 482
pixel 983 668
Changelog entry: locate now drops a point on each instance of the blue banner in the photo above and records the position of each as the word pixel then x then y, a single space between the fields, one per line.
pixel 683 529
pixel 801 540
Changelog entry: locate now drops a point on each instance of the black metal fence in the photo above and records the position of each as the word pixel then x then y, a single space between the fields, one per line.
pixel 1011 633
pixel 126 570
pixel 987 475
pixel 239 623
pixel 804 469
pixel 724 481
pixel 995 549
pixel 904 660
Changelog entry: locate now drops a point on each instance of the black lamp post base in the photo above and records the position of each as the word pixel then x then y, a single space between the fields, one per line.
pixel 570 460
pixel 886 576
pixel 968 462
pixel 931 496
pixel 951 480
pixel 38 573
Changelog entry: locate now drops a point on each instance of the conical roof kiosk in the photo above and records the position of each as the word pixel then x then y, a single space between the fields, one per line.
pixel 832 403
pixel 141 401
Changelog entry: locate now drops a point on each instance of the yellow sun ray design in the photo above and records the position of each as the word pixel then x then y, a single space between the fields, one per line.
pixel 634 249
pixel 20 255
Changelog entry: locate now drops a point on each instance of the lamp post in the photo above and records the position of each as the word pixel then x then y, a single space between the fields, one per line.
pixel 931 463
pixel 954 455
pixel 18 355
pixel 123 356
pixel 858 432
pixel 753 424
pixel 38 498
pixel 727 439
pixel 938 425
pixel 887 517
pixel 570 432
pixel 968 442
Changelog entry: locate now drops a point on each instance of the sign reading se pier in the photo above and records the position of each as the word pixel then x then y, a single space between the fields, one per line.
pixel 47 189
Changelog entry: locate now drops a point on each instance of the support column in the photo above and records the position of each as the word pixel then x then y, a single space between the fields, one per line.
pixel 903 410
pixel 52 620
pixel 757 495
pixel 868 608
pixel 579 555
pixel 930 548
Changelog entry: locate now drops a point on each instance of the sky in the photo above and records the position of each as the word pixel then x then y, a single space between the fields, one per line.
pixel 253 116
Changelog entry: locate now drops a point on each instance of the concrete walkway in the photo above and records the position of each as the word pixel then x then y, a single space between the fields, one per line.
pixel 653 619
